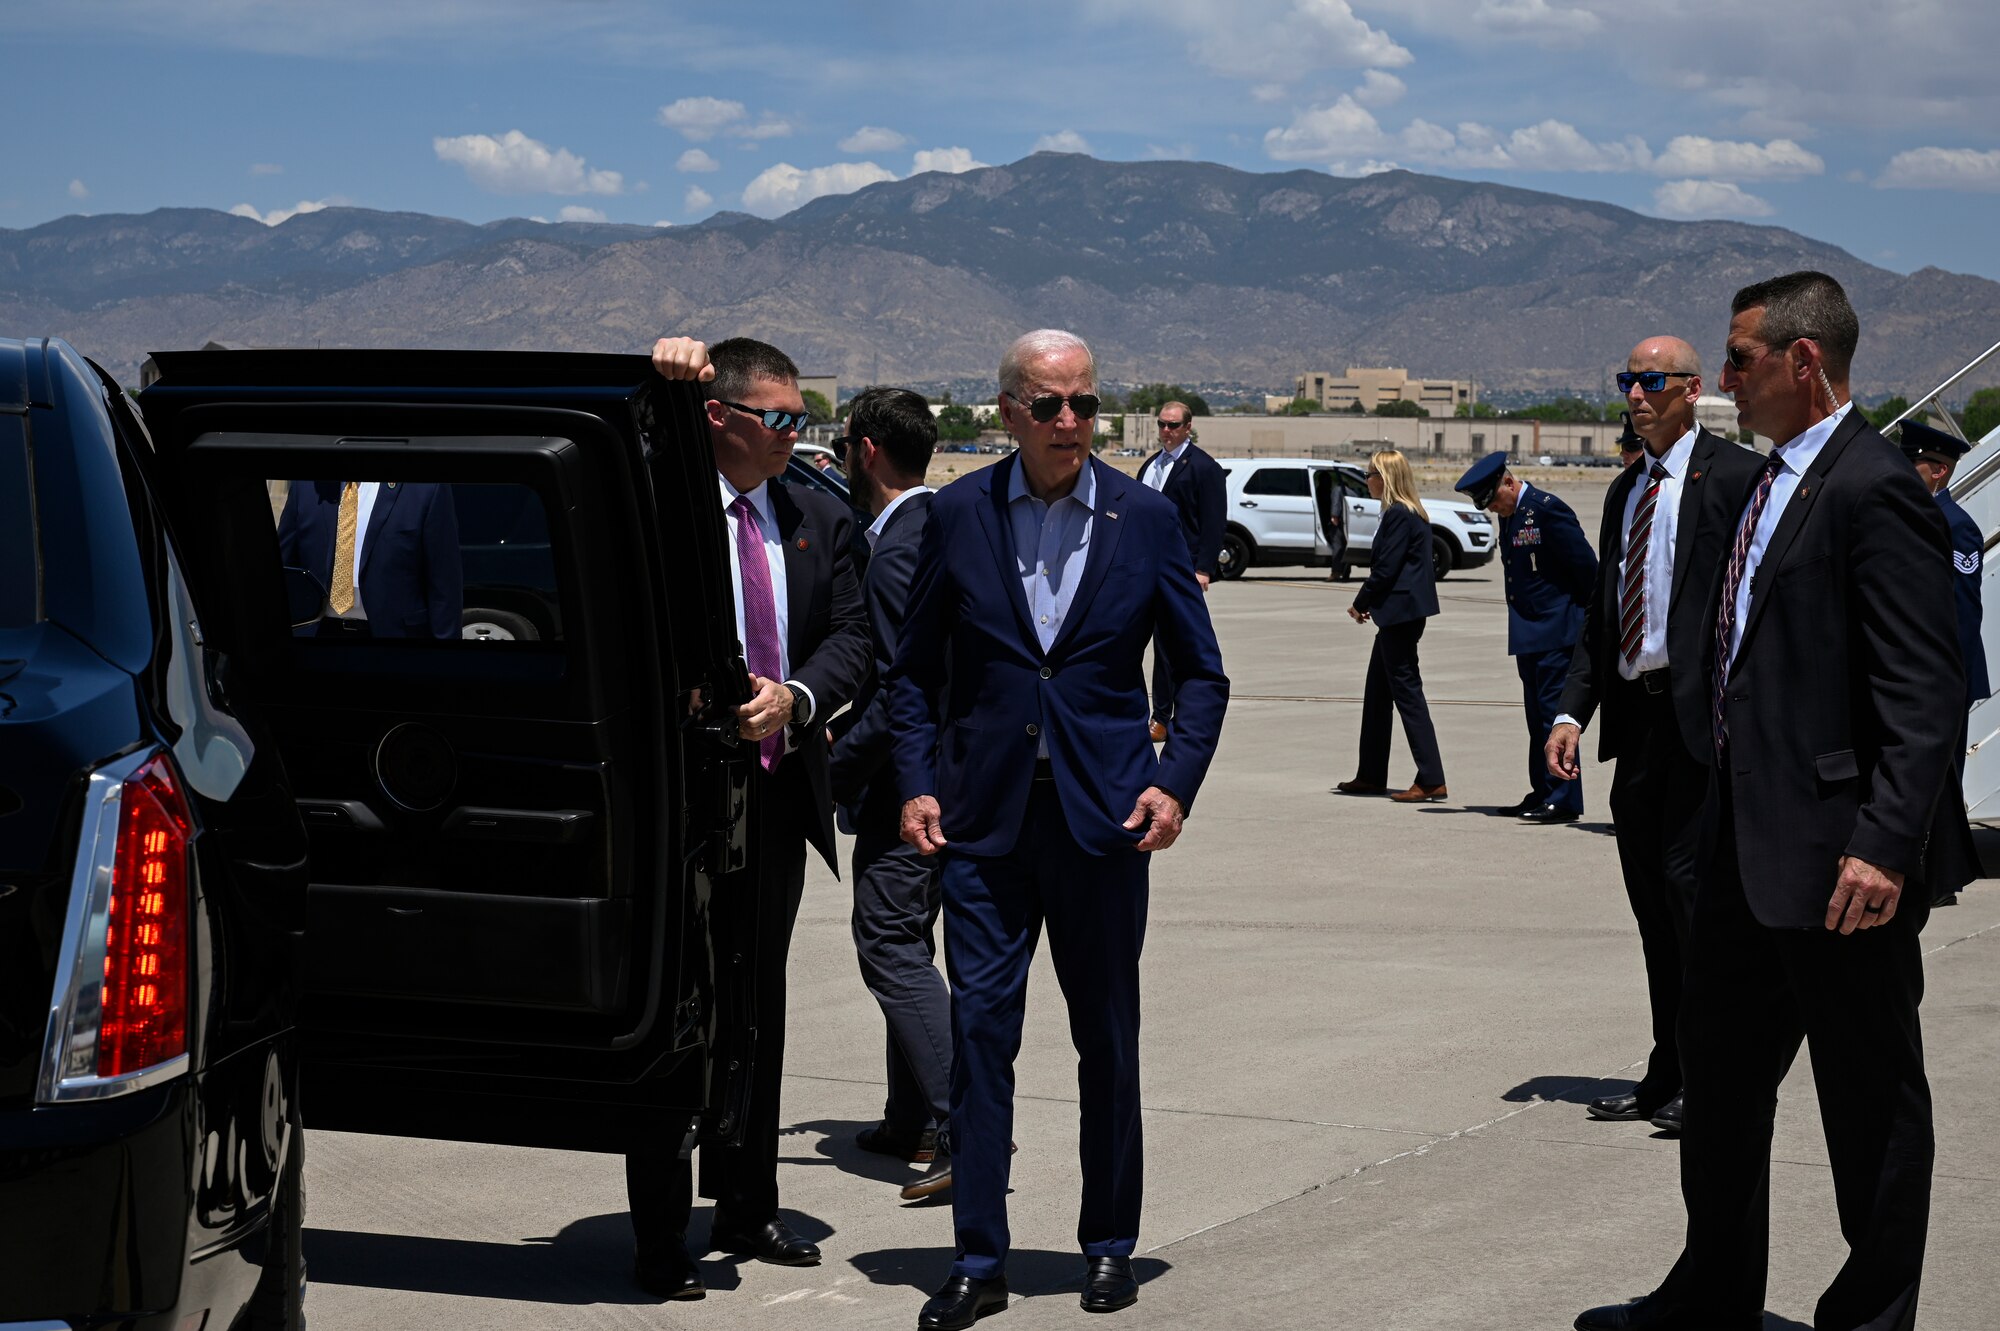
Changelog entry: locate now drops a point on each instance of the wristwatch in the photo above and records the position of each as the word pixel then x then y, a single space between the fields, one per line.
pixel 801 704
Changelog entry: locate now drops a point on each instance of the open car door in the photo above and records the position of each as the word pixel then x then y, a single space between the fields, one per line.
pixel 524 804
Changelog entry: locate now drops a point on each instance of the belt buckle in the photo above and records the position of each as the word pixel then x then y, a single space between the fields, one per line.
pixel 1655 681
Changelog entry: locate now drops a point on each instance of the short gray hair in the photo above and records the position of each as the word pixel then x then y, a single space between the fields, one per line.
pixel 1042 344
pixel 1806 304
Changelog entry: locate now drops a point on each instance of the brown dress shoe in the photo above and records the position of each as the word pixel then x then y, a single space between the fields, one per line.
pixel 1159 731
pixel 1421 794
pixel 934 1180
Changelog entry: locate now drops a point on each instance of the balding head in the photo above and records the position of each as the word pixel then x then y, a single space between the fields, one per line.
pixel 1662 416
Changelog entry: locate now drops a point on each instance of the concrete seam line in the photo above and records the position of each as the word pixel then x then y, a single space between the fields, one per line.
pixel 1355 698
pixel 1962 938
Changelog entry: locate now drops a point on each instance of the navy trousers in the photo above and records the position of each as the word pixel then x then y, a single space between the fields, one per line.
pixel 994 909
pixel 1542 677
pixel 1394 680
pixel 895 939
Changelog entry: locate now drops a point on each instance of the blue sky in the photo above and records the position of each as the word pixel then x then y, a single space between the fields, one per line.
pixel 1873 126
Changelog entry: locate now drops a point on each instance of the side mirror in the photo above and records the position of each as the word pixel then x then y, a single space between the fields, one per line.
pixel 305 598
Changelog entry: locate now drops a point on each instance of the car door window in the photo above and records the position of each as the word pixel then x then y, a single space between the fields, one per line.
pixel 1291 482
pixel 20 543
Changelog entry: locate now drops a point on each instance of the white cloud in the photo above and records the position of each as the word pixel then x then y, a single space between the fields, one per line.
pixel 663 222
pixel 950 160
pixel 576 212
pixel 1263 42
pixel 694 159
pixel 517 164
pixel 1062 141
pixel 1780 159
pixel 784 186
pixel 1172 152
pixel 1327 134
pixel 697 199
pixel 1707 198
pixel 768 126
pixel 266 169
pixel 1534 18
pixel 1380 88
pixel 1965 169
pixel 873 139
pixel 78 190
pixel 700 117
pixel 1346 131
pixel 277 215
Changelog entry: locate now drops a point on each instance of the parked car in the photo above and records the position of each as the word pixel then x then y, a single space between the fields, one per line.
pixel 253 881
pixel 1297 510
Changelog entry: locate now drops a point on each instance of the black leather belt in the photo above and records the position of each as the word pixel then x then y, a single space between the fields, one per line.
pixel 1655 681
pixel 1043 770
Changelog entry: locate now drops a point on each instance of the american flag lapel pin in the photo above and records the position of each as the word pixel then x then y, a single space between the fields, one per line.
pixel 1109 514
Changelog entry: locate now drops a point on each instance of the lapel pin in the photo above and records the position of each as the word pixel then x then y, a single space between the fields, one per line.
pixel 1109 514
pixel 802 542
pixel 392 485
pixel 1695 477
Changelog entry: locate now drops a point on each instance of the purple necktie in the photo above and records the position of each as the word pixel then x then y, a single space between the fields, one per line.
pixel 760 614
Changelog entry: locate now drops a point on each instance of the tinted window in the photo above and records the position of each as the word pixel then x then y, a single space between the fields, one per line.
pixel 1352 484
pixel 20 544
pixel 1278 481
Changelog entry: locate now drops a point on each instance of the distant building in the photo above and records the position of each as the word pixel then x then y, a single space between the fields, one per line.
pixel 826 385
pixel 1344 435
pixel 1372 388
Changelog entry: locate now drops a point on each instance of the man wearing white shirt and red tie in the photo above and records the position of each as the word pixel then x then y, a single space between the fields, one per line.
pixel 806 642
pixel 1184 472
pixel 1667 524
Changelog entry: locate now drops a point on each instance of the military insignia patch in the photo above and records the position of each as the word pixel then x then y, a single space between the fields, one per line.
pixel 1967 562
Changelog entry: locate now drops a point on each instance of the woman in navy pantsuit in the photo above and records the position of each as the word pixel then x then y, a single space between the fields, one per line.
pixel 1399 595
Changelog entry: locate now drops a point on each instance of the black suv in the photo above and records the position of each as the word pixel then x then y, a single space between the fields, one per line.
pixel 259 871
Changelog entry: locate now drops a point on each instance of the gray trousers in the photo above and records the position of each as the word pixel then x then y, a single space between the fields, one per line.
pixel 896 902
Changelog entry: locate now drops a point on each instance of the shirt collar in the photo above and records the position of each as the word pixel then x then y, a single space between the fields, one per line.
pixel 882 519
pixel 760 498
pixel 1800 453
pixel 1676 458
pixel 1085 492
pixel 1174 454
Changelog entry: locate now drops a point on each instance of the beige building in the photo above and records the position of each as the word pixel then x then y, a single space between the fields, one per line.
pixel 1372 388
pixel 1342 435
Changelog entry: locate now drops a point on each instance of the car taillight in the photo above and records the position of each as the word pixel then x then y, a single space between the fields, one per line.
pixel 145 996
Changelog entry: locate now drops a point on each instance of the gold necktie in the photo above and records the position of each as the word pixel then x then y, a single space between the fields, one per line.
pixel 341 597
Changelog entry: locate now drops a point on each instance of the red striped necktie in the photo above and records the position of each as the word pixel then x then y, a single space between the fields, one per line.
pixel 1632 591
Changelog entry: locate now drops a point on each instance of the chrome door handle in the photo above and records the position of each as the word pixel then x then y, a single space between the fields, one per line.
pixel 1246 503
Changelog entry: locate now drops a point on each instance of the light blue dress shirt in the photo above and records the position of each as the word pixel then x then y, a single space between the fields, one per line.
pixel 1798 456
pixel 1051 546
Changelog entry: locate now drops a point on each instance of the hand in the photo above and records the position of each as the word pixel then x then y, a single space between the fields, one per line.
pixel 1864 896
pixel 1164 811
pixel 1560 752
pixel 767 711
pixel 921 827
pixel 1202 578
pixel 1358 616
pixel 682 358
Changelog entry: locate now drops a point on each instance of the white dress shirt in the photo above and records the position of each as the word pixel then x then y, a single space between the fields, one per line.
pixel 1156 474
pixel 1797 456
pixel 1659 556
pixel 882 519
pixel 364 509
pixel 774 559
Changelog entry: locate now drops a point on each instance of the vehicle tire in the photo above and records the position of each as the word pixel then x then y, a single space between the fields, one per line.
pixel 1237 554
pixel 484 625
pixel 279 1301
pixel 1443 557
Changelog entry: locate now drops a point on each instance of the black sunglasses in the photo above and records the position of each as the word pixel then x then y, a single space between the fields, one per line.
pixel 1048 406
pixel 1650 380
pixel 1740 359
pixel 1166 424
pixel 779 422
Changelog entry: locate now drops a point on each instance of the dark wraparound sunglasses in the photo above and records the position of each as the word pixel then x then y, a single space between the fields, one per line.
pixel 1650 380
pixel 1048 406
pixel 779 422
pixel 1741 359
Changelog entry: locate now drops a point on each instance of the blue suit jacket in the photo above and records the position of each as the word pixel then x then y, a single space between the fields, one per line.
pixel 412 582
pixel 973 746
pixel 1966 547
pixel 1199 488
pixel 1550 571
pixel 1401 586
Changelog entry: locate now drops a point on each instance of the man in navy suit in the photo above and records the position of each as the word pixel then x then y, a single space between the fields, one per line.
pixel 1184 472
pixel 403 577
pixel 1019 723
pixel 891 436
pixel 1550 572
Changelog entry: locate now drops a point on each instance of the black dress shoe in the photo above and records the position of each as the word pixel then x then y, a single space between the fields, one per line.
pixel 961 1301
pixel 1653 1313
pixel 1669 1119
pixel 936 1179
pixel 1517 808
pixel 669 1273
pixel 1620 1109
pixel 774 1241
pixel 916 1148
pixel 1549 813
pixel 1109 1285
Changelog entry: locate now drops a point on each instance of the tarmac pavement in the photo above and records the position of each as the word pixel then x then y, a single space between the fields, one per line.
pixel 1369 1033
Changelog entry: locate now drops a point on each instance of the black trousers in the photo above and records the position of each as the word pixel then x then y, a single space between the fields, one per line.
pixel 1163 686
pixel 1753 994
pixel 896 904
pixel 1393 676
pixel 1657 794
pixel 743 1179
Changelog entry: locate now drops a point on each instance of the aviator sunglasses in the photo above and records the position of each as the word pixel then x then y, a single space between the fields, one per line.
pixel 1048 406
pixel 780 422
pixel 1743 357
pixel 1650 380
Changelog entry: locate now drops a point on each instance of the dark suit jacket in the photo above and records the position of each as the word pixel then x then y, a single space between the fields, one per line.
pixel 411 578
pixel 1199 489
pixel 826 629
pixel 1967 548
pixel 1402 585
pixel 1837 744
pixel 1550 572
pixel 1720 476
pixel 973 746
pixel 863 780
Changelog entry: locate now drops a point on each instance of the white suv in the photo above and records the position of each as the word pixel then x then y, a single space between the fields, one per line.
pixel 1290 511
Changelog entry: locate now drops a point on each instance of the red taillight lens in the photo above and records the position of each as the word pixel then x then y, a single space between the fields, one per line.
pixel 146 944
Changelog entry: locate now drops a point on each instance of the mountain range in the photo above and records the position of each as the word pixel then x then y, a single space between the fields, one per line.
pixel 1183 271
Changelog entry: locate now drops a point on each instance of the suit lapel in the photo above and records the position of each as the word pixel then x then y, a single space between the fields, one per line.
pixel 1796 512
pixel 1000 535
pixel 1688 516
pixel 799 539
pixel 1105 528
pixel 385 499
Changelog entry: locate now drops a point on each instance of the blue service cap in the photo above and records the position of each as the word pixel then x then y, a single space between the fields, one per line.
pixel 1630 438
pixel 1920 440
pixel 1482 479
